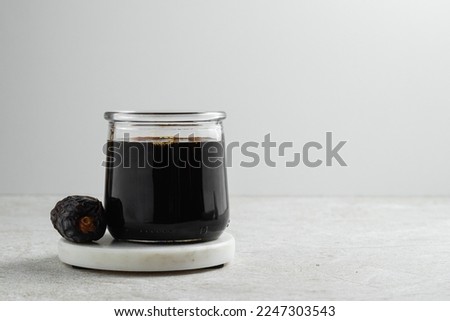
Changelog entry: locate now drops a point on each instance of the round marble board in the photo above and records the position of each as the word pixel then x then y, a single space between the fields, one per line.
pixel 109 254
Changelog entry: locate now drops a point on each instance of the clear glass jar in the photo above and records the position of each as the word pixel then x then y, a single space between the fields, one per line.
pixel 166 177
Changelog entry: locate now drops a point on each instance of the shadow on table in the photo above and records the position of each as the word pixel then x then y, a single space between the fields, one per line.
pixel 51 268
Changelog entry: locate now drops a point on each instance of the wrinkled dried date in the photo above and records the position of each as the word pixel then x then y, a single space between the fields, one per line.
pixel 79 219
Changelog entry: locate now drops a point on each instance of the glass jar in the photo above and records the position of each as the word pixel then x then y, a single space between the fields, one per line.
pixel 166 176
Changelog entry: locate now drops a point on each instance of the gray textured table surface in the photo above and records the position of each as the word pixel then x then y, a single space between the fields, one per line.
pixel 287 249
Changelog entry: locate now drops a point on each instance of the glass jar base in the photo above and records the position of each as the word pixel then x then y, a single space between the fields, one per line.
pixel 141 236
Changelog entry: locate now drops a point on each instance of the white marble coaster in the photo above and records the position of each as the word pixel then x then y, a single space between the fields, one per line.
pixel 108 254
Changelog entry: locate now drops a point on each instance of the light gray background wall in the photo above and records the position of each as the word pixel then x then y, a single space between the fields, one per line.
pixel 375 73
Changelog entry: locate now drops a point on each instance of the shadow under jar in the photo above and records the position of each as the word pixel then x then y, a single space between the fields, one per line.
pixel 166 177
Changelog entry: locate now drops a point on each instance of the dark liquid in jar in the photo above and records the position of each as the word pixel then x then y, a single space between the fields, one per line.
pixel 166 191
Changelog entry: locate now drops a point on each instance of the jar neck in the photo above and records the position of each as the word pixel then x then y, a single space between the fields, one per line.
pixel 132 131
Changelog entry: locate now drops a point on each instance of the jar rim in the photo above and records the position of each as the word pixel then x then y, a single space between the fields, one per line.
pixel 164 117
